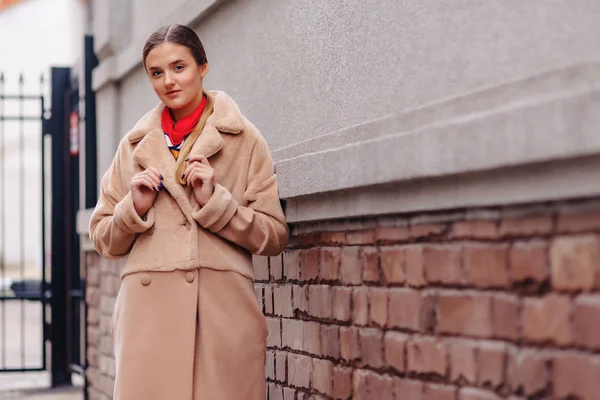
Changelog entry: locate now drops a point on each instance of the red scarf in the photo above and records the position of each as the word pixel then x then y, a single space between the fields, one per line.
pixel 178 131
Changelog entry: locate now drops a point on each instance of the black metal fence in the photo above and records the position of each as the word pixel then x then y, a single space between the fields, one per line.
pixel 23 281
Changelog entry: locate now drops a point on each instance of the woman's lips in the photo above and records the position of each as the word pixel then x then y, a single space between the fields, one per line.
pixel 173 93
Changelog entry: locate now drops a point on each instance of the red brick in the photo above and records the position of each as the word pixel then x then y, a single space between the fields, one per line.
pixel 259 293
pixel 574 262
pixel 443 264
pixel 378 304
pixel 261 268
pixel 319 301
pixel 276 267
pixel 292 335
pixel 408 389
pixel 475 229
pixel 275 391
pixel 491 361
pixel 300 298
pixel 426 230
pixel 274 326
pixel 527 371
pixel 342 297
pixel 463 367
pixel 465 314
pixel 476 394
pixel 350 349
pixel 280 365
pixel 381 387
pixel 369 258
pixel 578 221
pixel 371 346
pixel 546 319
pixel 299 370
pixel 289 394
pixel 391 234
pixel 268 299
pixel 392 265
pixel 342 382
pixel 529 261
pixel 586 321
pixel 415 269
pixel 309 264
pixel 282 302
pixel 350 267
pixel 305 240
pixel 486 265
pixel 439 392
pixel 332 238
pixel 360 384
pixel 312 337
pixel 330 341
pixel 291 264
pixel 322 376
pixel 360 300
pixel 330 263
pixel 405 309
pixel 505 316
pixel 427 356
pixel 526 226
pixel 394 344
pixel 575 375
pixel 93 297
pixel 361 237
pixel 270 365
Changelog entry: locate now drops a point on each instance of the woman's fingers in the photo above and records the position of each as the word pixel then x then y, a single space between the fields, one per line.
pixel 154 177
pixel 201 159
pixel 196 165
pixel 143 180
pixel 199 172
pixel 155 172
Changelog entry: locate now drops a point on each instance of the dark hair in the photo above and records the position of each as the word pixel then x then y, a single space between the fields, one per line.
pixel 179 34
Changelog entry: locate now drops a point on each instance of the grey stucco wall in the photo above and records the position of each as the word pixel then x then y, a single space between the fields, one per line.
pixel 311 74
pixel 307 68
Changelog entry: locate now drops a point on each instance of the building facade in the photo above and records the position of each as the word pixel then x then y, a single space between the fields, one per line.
pixel 439 165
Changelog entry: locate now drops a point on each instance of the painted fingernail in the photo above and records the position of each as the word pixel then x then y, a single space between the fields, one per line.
pixel 161 185
pixel 182 176
pixel 187 159
pixel 161 177
pixel 153 188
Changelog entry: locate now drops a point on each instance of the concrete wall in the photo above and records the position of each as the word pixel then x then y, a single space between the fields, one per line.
pixel 351 95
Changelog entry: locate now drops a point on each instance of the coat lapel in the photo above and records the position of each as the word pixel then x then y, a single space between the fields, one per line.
pixel 152 150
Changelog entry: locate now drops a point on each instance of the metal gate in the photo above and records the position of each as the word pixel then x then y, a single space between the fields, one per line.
pixel 23 277
pixel 42 284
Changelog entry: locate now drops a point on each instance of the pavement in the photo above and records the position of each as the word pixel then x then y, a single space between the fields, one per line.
pixel 21 347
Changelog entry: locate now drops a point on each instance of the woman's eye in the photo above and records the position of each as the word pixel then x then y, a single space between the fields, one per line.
pixel 156 73
pixel 179 68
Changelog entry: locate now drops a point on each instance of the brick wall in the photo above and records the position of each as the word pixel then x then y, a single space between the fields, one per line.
pixel 477 304
pixel 103 284
pixel 482 304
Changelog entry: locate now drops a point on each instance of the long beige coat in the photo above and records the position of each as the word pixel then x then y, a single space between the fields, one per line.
pixel 186 324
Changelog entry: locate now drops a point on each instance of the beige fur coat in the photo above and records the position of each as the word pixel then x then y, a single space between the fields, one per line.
pixel 243 216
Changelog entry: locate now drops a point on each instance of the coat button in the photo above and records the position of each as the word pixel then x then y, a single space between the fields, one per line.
pixel 189 277
pixel 145 279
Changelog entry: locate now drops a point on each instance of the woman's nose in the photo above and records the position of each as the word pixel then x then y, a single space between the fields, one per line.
pixel 168 80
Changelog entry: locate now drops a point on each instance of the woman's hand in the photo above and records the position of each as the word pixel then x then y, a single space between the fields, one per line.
pixel 144 188
pixel 201 176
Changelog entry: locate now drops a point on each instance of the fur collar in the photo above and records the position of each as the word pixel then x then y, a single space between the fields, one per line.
pixel 226 117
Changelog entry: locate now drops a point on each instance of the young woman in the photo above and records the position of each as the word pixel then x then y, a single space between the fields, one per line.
pixel 190 195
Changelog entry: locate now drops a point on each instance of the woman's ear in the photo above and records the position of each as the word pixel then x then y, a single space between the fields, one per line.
pixel 203 70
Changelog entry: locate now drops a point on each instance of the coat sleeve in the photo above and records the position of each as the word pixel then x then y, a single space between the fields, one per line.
pixel 115 224
pixel 259 227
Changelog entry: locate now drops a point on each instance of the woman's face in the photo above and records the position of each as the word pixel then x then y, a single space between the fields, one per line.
pixel 176 77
